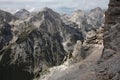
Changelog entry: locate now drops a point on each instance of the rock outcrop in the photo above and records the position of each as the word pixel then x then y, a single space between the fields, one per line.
pixel 6 16
pixel 5 34
pixel 109 64
pixel 37 47
pixel 34 49
pixel 78 17
pixel 22 14
pixel 96 18
pixel 31 45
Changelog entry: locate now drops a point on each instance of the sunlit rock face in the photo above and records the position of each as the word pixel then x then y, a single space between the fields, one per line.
pixel 30 45
pixel 33 50
pixel 78 17
pixel 47 20
pixel 109 68
pixel 96 17
pixel 28 48
pixel 86 21
pixel 112 24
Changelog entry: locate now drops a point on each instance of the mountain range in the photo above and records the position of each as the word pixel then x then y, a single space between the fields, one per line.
pixel 46 45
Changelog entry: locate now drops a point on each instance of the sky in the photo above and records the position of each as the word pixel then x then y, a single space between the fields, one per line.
pixel 58 5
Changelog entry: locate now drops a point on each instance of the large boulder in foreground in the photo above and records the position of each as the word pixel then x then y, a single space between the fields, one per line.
pixel 109 68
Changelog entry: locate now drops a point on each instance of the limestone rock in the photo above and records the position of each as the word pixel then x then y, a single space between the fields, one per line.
pixel 22 14
pixel 6 16
pixel 110 59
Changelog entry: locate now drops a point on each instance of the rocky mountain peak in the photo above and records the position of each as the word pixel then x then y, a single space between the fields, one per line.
pixel 22 10
pixel 79 11
pixel 49 13
pixel 32 45
pixel 6 16
pixel 47 20
pixel 47 9
pixel 78 16
pixel 96 17
pixel 22 14
pixel 96 9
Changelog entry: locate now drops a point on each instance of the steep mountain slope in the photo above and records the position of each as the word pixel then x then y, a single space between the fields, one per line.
pixel 109 68
pixel 6 16
pixel 96 17
pixel 80 71
pixel 32 51
pixel 5 34
pixel 89 53
pixel 22 14
pixel 86 21
pixel 78 17
pixel 38 46
pixel 30 46
pixel 50 21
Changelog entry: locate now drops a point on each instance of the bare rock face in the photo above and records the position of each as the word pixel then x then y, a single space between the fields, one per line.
pixel 47 17
pixel 37 47
pixel 22 14
pixel 5 34
pixel 6 16
pixel 86 21
pixel 112 24
pixel 31 45
pixel 78 17
pixel 96 17
pixel 109 67
pixel 50 21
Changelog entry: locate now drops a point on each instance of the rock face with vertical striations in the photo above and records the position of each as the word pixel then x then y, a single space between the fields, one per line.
pixel 30 46
pixel 37 47
pixel 22 14
pixel 109 68
pixel 96 17
pixel 5 34
pixel 6 16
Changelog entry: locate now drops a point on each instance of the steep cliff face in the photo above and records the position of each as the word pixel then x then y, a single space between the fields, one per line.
pixel 6 16
pixel 109 68
pixel 22 14
pixel 5 34
pixel 112 22
pixel 96 17
pixel 36 48
pixel 28 49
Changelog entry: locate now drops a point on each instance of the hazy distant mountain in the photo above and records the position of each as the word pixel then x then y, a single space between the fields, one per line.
pixel 96 17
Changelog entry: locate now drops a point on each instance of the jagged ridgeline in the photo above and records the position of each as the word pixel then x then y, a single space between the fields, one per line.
pixel 31 43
